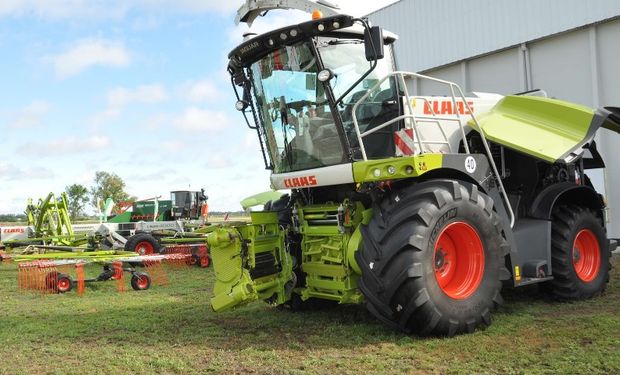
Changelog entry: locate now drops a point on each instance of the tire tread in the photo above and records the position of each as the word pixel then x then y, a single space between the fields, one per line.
pixel 390 264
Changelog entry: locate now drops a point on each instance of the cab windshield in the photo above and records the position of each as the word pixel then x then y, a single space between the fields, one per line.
pixel 299 127
pixel 347 59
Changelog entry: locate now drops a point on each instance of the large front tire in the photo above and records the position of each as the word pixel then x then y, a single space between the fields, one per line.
pixel 432 258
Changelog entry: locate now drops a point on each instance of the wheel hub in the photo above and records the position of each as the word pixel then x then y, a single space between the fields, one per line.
pixel 459 260
pixel 144 248
pixel 142 282
pixel 63 285
pixel 439 259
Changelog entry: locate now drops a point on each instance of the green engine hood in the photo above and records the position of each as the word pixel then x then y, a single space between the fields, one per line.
pixel 549 129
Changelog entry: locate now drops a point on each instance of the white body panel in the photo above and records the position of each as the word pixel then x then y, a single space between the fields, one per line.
pixel 332 175
pixel 438 121
pixel 149 226
pixel 14 233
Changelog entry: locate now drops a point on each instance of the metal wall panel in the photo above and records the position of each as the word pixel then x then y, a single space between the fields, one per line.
pixel 450 73
pixel 608 48
pixel 498 73
pixel 439 32
pixel 561 66
pixel 608 93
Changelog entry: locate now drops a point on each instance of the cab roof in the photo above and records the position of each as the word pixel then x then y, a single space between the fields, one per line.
pixel 259 46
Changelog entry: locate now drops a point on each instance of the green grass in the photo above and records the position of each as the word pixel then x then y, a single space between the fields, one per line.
pixel 171 329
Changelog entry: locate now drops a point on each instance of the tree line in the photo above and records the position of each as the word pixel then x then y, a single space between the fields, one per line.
pixel 107 185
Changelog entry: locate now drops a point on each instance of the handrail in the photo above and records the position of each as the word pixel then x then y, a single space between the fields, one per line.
pixel 455 91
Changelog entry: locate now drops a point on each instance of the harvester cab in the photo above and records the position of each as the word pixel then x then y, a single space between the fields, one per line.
pixel 300 84
pixel 420 206
pixel 190 205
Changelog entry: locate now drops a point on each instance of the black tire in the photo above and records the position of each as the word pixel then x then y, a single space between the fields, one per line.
pixel 143 244
pixel 140 281
pixel 567 223
pixel 194 260
pixel 58 282
pixel 397 258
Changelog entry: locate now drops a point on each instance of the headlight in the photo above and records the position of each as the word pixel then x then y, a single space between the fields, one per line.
pixel 241 105
pixel 325 75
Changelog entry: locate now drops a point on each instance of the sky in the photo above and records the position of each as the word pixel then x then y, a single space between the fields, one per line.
pixel 138 88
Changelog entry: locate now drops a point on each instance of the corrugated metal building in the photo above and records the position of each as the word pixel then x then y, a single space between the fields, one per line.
pixel 569 48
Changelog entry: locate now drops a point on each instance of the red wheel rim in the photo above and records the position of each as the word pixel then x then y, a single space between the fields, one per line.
pixel 144 248
pixel 459 260
pixel 586 255
pixel 142 282
pixel 204 261
pixel 63 284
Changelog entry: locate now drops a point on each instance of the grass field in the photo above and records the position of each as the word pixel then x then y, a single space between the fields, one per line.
pixel 170 329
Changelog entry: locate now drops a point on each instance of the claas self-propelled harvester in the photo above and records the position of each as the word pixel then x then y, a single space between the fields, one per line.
pixel 420 207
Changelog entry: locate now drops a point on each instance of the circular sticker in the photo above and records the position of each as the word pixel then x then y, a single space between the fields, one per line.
pixel 470 164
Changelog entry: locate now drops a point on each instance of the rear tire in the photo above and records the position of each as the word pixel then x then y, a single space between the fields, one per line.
pixel 143 244
pixel 416 275
pixel 579 254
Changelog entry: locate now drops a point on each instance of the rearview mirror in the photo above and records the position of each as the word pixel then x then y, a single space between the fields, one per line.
pixel 373 41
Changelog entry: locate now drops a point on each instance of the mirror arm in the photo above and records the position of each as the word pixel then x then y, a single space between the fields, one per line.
pixel 373 65
pixel 245 86
pixel 354 85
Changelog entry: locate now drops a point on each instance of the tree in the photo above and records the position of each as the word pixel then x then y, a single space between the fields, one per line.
pixel 78 197
pixel 11 218
pixel 108 185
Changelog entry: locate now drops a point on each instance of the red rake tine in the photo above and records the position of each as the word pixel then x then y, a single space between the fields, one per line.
pixel 27 275
pixel 47 277
pixel 32 276
pixel 20 276
pixel 118 274
pixel 47 281
pixel 39 282
pixel 54 269
pixel 37 277
pixel 79 273
pixel 23 275
pixel 34 273
pixel 158 274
